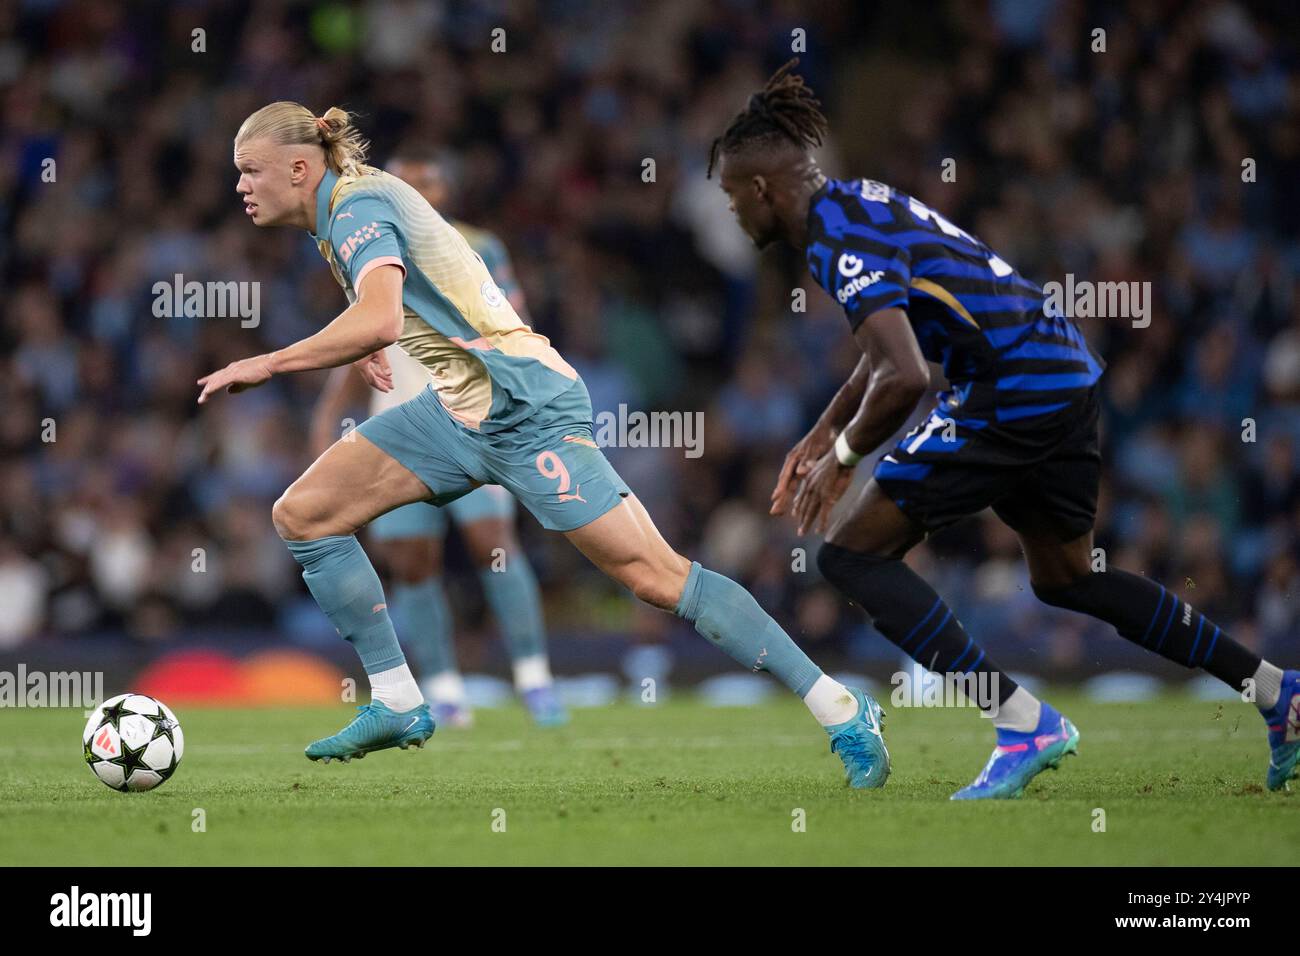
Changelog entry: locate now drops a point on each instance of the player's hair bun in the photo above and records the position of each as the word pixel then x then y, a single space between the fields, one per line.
pixel 292 124
pixel 345 149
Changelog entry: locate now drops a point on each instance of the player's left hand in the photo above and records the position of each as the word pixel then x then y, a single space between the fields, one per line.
pixel 798 463
pixel 824 485
pixel 374 368
pixel 236 377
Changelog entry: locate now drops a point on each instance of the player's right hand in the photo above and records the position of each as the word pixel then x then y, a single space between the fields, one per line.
pixel 798 463
pixel 374 368
pixel 236 377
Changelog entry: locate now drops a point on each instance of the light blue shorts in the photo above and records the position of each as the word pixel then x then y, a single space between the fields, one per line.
pixel 420 520
pixel 550 461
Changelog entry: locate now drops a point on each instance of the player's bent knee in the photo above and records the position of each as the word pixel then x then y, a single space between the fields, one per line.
pixel 284 519
pixel 830 562
pixel 295 517
pixel 869 580
pixel 842 566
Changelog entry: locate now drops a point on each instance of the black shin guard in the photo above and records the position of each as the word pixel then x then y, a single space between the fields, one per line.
pixel 908 611
pixel 1143 612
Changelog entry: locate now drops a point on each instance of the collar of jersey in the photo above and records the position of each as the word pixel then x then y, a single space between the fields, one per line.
pixel 817 197
pixel 324 199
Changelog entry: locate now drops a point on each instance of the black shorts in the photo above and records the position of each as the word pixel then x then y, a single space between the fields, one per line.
pixel 1039 475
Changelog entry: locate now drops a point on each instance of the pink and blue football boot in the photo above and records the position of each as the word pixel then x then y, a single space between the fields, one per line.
pixel 1284 733
pixel 1019 757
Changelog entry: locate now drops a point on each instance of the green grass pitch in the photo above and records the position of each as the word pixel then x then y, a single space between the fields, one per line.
pixel 1180 782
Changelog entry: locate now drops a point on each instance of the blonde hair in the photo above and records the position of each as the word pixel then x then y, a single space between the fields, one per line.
pixel 292 124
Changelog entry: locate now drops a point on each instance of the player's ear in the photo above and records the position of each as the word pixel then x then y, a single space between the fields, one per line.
pixel 761 189
pixel 298 170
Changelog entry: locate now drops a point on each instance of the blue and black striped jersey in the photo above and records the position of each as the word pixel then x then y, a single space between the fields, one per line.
pixel 872 247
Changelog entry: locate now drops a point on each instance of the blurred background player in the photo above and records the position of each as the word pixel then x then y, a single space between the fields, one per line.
pixel 1015 431
pixel 410 539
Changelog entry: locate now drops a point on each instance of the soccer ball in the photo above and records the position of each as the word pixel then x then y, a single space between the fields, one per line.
pixel 133 742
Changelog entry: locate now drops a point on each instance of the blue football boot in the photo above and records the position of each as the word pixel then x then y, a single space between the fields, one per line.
pixel 449 714
pixel 1019 757
pixel 1284 733
pixel 544 705
pixel 861 746
pixel 375 728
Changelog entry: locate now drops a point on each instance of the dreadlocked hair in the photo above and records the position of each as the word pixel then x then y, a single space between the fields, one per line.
pixel 785 108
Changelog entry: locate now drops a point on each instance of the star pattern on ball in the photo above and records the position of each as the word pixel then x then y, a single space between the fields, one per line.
pixel 130 760
pixel 113 715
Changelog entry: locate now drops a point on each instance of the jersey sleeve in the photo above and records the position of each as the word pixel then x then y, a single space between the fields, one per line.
pixel 364 236
pixel 863 272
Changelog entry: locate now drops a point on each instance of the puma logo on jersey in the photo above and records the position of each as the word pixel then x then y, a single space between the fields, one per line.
pixel 576 496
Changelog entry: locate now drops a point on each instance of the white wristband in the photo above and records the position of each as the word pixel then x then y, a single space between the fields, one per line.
pixel 846 455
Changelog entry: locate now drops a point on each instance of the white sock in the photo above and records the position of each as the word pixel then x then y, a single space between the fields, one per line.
pixel 1020 712
pixel 831 702
pixel 1268 686
pixel 396 689
pixel 447 687
pixel 532 672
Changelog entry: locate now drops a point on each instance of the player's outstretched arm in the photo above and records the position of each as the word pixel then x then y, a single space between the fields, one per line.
pixel 371 323
pixel 899 378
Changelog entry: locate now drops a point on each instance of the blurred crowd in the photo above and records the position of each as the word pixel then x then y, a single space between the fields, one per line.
pixel 1171 157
